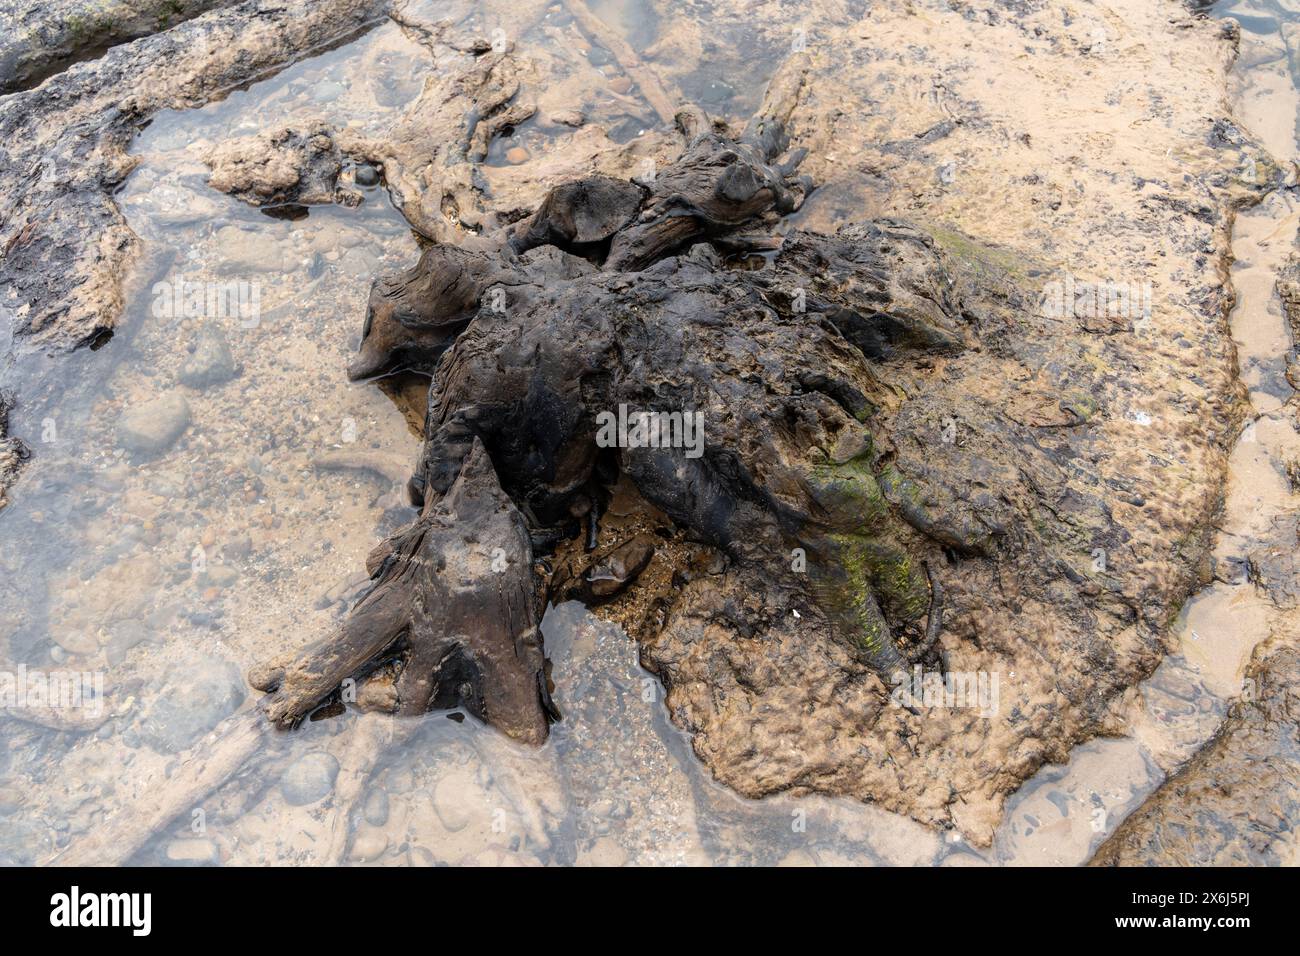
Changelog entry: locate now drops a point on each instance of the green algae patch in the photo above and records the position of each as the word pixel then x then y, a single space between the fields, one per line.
pixel 983 258
pixel 849 493
pixel 861 579
pixel 842 589
pixel 899 587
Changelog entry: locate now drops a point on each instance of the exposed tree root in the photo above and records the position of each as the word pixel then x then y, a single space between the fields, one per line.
pixel 603 300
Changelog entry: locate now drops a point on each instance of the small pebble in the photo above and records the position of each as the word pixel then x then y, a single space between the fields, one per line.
pixel 569 118
pixel 149 429
pixel 211 361
pixel 192 852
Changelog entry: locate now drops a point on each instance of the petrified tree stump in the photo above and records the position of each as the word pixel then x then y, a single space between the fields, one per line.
pixel 610 297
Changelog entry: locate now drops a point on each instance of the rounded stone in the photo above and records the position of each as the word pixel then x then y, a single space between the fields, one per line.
pixel 309 778
pixel 376 808
pixel 369 846
pixel 76 642
pixel 210 362
pixel 149 429
pixel 192 699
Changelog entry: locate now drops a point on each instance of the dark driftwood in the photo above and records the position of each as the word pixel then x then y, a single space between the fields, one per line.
pixel 454 600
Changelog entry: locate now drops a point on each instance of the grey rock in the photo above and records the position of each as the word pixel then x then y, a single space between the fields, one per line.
pixel 38 39
pixel 376 808
pixel 149 429
pixel 309 778
pixel 238 547
pixel 76 642
pixel 573 118
pixel 193 699
pixel 367 176
pixel 292 165
pixel 211 361
pixel 221 575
